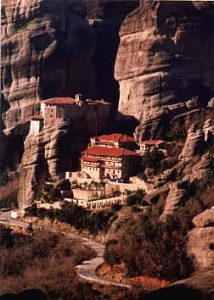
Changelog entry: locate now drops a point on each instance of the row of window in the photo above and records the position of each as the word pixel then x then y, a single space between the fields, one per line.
pixel 96 169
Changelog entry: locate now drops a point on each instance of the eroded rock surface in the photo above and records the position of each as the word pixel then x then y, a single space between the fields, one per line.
pixel 55 48
pixel 174 199
pixel 165 59
pixel 194 143
pixel 46 157
pixel 47 48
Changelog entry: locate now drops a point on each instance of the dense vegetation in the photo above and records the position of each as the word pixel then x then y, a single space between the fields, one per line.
pixel 148 247
pixel 95 222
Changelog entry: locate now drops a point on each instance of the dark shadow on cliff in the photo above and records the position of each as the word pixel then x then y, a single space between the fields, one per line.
pixel 32 294
pixel 12 146
pixel 125 124
pixel 107 43
pixel 176 292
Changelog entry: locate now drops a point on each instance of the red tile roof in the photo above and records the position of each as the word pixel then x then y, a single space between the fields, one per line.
pixel 60 101
pixel 113 151
pixel 152 142
pixel 115 137
pixel 72 101
pixel 37 117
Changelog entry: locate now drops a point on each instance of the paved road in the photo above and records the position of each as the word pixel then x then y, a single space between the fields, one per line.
pixel 6 218
pixel 87 269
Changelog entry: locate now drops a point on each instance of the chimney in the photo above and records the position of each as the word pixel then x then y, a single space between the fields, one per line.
pixel 78 97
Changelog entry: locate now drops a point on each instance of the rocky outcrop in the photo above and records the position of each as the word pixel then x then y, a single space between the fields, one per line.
pixel 48 154
pixel 205 219
pixel 193 165
pixel 208 130
pixel 201 169
pixel 194 143
pixel 174 199
pixel 165 59
pixel 46 157
pixel 43 160
pixel 200 242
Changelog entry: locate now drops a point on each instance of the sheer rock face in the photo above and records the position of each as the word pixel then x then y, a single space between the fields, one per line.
pixel 164 58
pixel 47 47
pixel 200 243
pixel 42 160
pixel 46 157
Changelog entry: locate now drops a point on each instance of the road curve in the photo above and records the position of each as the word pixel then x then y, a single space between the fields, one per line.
pixel 87 269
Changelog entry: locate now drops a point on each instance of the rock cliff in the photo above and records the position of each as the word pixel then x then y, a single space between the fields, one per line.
pixel 164 62
pixel 49 48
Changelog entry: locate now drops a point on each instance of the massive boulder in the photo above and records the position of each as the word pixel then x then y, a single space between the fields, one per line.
pixel 200 242
pixel 165 59
pixel 174 199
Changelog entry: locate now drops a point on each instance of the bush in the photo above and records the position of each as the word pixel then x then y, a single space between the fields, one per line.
pixel 135 198
pixel 152 160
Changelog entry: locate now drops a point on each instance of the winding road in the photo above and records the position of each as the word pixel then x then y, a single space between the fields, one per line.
pixel 87 269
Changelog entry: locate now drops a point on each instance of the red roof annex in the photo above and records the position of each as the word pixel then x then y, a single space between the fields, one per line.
pixel 103 151
pixel 72 101
pixel 152 142
pixel 114 137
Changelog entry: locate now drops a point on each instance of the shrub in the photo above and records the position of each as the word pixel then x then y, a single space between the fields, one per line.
pixel 135 198
pixel 152 159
